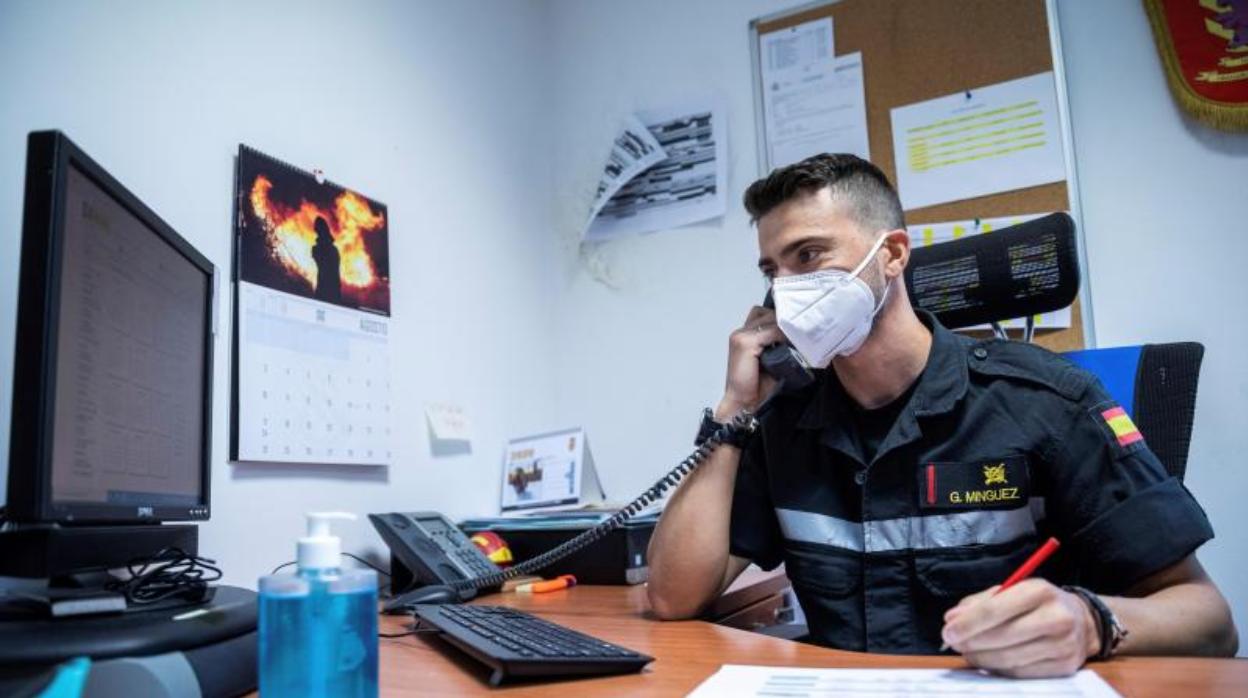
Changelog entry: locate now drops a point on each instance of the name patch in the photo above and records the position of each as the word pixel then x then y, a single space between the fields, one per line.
pixel 992 483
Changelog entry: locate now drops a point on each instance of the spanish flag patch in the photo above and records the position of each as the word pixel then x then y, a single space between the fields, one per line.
pixel 1122 426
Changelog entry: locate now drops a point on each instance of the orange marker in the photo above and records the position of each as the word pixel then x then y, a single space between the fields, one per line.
pixel 1024 570
pixel 563 581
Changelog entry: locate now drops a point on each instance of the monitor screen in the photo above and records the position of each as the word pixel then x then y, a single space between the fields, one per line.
pixel 112 369
pixel 128 415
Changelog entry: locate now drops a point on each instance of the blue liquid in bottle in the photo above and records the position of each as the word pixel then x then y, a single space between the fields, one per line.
pixel 318 634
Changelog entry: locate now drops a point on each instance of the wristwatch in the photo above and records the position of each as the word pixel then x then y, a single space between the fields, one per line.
pixel 734 436
pixel 1108 628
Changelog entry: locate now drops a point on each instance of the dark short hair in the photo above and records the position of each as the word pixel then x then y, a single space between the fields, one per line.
pixel 872 201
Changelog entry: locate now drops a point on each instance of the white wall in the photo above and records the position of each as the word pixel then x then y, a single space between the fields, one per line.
pixel 1164 214
pixel 1163 202
pixel 421 106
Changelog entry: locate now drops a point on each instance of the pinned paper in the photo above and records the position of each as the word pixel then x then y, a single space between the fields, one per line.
pixel 686 186
pixel 449 422
pixel 813 100
pixel 977 142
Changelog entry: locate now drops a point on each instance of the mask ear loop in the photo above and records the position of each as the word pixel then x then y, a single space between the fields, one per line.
pixel 879 244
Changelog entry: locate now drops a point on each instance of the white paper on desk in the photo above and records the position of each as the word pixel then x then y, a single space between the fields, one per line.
pixel 936 233
pixel 982 141
pixel 686 187
pixel 449 422
pixel 635 150
pixel 736 680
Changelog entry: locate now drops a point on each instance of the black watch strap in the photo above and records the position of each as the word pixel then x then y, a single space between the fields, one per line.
pixel 735 437
pixel 1108 628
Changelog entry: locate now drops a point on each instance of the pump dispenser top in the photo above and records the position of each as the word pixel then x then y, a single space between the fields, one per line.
pixel 319 549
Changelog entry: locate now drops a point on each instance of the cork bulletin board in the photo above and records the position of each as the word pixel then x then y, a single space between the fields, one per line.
pixel 915 50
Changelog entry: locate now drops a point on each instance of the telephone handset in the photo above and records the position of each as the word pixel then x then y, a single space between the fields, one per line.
pixel 783 363
pixel 449 566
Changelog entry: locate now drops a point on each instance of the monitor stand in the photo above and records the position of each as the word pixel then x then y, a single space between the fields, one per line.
pixel 62 571
pixel 53 551
pixel 231 612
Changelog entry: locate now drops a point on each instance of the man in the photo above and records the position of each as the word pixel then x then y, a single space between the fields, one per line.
pixel 923 467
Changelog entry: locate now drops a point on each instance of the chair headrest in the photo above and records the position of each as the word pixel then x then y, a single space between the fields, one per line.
pixel 1022 270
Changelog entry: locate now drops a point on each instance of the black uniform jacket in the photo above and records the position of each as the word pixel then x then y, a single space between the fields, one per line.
pixel 1000 445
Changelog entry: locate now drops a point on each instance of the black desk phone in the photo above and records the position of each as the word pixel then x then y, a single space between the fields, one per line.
pixel 445 566
pixel 431 549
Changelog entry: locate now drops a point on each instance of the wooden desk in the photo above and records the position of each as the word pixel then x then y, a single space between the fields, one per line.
pixel 687 652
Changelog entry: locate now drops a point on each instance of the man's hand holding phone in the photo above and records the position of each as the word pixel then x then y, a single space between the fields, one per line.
pixel 747 385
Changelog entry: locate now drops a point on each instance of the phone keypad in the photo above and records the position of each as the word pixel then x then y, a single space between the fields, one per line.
pixel 462 551
pixel 475 561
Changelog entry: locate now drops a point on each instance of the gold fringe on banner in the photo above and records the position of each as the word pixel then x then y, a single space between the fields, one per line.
pixel 1220 115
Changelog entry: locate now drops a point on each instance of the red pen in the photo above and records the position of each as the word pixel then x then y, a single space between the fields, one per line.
pixel 1024 570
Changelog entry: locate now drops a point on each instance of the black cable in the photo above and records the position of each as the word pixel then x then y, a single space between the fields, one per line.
pixel 414 630
pixel 744 422
pixel 170 572
pixel 366 563
pixel 357 558
pixel 282 566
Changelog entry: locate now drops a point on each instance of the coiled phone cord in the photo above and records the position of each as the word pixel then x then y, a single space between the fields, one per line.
pixel 745 422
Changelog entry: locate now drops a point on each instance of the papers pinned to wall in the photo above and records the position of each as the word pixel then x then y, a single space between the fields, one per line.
pixel 937 233
pixel 982 141
pixel 635 150
pixel 813 101
pixel 640 192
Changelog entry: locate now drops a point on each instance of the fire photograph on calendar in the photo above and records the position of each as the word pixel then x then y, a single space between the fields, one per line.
pixel 310 238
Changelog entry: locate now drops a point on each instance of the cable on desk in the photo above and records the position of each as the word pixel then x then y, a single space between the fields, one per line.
pixel 414 630
pixel 170 572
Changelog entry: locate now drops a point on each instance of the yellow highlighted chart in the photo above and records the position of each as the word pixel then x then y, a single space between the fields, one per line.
pixel 978 142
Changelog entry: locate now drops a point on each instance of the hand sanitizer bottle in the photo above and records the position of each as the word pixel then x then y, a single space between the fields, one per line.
pixel 318 626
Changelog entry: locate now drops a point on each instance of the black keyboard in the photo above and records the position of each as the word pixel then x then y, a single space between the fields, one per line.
pixel 516 644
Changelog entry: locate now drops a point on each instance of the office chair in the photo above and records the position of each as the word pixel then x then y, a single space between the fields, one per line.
pixel 1033 268
pixel 1016 272
pixel 1156 385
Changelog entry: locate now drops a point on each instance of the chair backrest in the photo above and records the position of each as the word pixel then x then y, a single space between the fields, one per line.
pixel 1033 268
pixel 1020 271
pixel 1156 384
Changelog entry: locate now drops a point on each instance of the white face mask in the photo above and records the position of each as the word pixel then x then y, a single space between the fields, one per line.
pixel 827 313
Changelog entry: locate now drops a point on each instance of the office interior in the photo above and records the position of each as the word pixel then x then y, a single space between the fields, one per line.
pixel 481 125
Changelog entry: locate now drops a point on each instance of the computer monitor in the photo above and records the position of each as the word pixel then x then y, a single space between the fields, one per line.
pixel 112 413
